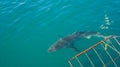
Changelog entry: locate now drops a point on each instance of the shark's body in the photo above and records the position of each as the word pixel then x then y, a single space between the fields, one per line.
pixel 69 40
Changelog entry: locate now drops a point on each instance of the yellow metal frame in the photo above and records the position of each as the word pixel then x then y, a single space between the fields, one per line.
pixel 92 47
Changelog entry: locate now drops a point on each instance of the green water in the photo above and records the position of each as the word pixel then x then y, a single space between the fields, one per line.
pixel 29 27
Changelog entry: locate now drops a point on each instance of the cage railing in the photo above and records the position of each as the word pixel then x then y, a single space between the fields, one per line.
pixel 107 46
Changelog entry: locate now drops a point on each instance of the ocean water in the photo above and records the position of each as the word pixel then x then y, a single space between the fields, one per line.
pixel 29 27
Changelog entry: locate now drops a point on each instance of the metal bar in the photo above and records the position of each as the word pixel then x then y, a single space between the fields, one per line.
pixel 109 55
pixel 116 40
pixel 112 48
pixel 70 63
pixel 79 62
pixel 90 48
pixel 113 59
pixel 99 57
pixel 93 46
pixel 90 60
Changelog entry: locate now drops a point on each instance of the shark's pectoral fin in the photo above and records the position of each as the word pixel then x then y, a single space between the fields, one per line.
pixel 73 48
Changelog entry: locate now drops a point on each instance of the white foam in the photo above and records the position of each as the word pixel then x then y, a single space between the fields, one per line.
pixel 104 27
pixel 107 22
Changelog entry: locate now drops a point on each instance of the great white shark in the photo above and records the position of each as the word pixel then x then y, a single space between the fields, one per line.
pixel 69 40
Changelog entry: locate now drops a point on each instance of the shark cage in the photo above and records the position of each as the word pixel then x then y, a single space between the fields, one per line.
pixel 105 53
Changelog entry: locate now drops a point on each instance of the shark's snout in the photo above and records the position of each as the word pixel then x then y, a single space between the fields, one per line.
pixel 51 49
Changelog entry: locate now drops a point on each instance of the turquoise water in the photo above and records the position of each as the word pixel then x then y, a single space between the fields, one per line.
pixel 29 27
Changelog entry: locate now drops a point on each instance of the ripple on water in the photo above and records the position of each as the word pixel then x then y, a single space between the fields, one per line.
pixel 8 10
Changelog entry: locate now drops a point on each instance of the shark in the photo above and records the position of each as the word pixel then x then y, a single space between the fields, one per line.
pixel 69 40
